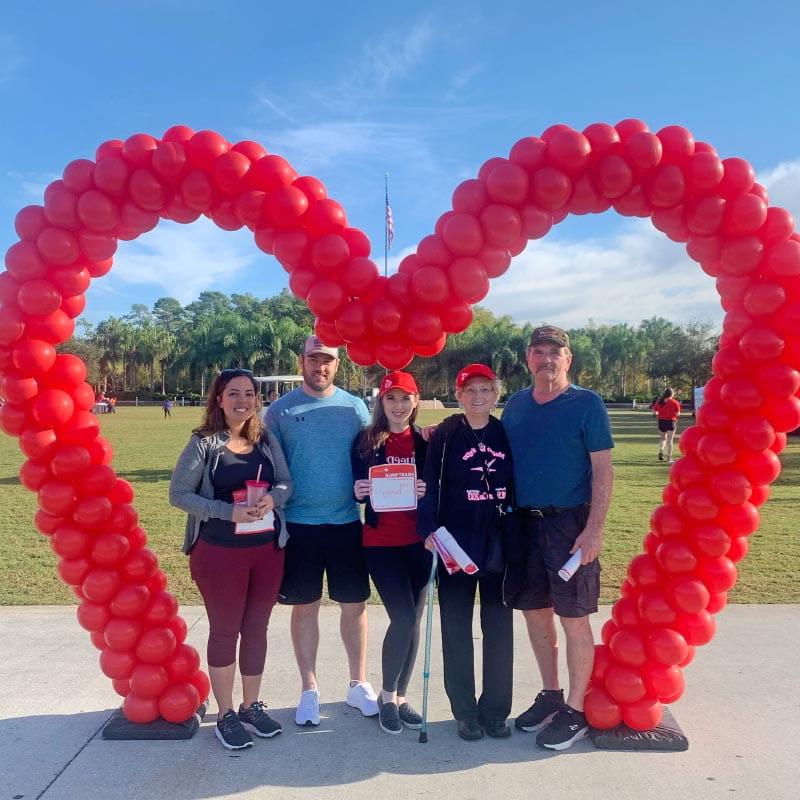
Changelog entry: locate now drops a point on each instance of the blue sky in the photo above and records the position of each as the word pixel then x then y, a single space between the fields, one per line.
pixel 423 91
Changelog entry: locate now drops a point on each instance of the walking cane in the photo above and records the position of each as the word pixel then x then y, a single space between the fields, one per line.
pixel 426 669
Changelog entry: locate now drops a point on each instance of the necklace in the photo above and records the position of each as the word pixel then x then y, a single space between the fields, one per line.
pixel 479 439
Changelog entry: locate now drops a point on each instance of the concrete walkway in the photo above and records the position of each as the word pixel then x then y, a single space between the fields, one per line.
pixel 740 713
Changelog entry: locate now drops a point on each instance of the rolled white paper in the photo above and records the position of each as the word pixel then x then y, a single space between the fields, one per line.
pixel 571 566
pixel 453 549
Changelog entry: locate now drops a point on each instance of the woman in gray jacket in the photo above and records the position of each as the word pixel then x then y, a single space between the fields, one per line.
pixel 232 481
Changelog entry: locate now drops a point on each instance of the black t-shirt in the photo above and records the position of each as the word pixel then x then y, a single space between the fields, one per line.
pixel 233 469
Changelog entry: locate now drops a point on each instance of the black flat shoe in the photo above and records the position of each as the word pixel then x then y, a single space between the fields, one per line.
pixel 469 729
pixel 497 729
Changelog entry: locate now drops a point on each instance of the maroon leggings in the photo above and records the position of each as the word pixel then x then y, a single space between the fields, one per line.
pixel 239 587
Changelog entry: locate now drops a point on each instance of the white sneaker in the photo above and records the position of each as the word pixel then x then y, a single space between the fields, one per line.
pixel 362 696
pixel 307 713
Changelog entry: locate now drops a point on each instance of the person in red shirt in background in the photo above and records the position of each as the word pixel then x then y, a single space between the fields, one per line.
pixel 667 409
pixel 396 557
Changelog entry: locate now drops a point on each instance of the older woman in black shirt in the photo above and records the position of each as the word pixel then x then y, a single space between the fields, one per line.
pixel 468 473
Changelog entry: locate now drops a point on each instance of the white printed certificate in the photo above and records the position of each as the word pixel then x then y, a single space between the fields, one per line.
pixel 393 487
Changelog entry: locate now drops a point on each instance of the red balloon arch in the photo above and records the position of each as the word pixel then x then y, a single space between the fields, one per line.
pixel 710 505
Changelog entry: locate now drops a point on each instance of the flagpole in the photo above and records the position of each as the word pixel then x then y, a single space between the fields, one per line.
pixel 386 227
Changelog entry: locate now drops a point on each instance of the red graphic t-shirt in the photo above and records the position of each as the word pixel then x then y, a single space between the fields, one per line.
pixel 395 528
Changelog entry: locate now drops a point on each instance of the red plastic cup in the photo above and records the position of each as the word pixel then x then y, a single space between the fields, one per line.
pixel 255 491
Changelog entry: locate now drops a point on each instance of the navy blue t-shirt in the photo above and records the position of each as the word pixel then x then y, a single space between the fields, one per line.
pixel 551 443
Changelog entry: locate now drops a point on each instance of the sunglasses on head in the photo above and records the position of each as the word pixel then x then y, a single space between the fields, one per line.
pixel 235 372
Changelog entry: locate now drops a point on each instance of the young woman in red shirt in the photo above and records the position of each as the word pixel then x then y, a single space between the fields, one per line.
pixel 396 557
pixel 667 410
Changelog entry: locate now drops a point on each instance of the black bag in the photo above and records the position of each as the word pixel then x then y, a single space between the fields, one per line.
pixel 495 562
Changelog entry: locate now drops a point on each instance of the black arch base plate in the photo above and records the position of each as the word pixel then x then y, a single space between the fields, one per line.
pixel 120 728
pixel 666 736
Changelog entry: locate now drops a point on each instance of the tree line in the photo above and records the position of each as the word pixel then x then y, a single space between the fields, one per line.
pixel 171 349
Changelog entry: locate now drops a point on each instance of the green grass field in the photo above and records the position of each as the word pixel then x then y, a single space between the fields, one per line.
pixel 146 447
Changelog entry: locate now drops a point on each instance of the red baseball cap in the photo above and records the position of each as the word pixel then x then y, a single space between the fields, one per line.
pixel 398 380
pixel 474 371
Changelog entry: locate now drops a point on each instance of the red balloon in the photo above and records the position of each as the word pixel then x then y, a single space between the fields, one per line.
pixel 359 276
pixel 100 585
pixel 148 680
pixel 508 183
pixel 625 684
pixel 569 151
pixel 642 715
pixel 502 224
pixel 325 216
pixel 183 664
pixel 463 235
pixel 550 188
pixel 666 646
pixel 429 286
pixel 468 279
pixel 140 709
pixel 697 628
pixel 93 616
pixel 70 541
pixel 644 571
pixel 202 684
pixel 121 687
pixel 33 357
pixel 601 710
pixel 163 607
pixel 642 150
pixel 38 297
pixel 718 574
pixel 32 475
pixel 179 702
pixel 117 664
pixel 627 647
pixel 109 549
pixel 666 683
pixel 424 327
pixel 326 299
pixel 130 601
pixel 122 634
pixel 139 566
pixel 56 497
pixel 688 594
pixel 602 661
pixel 53 408
pixel 655 608
pixel 156 645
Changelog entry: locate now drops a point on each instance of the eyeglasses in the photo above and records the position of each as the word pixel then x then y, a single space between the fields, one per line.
pixel 234 372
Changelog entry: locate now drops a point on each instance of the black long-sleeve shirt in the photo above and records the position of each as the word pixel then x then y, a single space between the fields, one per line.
pixel 468 474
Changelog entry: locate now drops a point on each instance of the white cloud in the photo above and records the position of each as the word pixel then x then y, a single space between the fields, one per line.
pixel 783 184
pixel 329 143
pixel 185 260
pixel 628 277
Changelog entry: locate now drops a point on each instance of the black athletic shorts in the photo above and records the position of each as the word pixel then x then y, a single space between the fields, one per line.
pixel 316 550
pixel 546 543
pixel 665 425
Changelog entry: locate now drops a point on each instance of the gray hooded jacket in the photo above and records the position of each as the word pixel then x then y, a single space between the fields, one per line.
pixel 191 488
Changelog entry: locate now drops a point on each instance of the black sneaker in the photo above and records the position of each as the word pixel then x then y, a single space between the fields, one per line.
pixel 660 456
pixel 497 728
pixel 568 726
pixel 410 717
pixel 389 717
pixel 231 732
pixel 547 702
pixel 470 729
pixel 255 719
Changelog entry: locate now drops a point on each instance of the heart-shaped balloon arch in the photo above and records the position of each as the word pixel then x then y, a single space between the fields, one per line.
pixel 710 505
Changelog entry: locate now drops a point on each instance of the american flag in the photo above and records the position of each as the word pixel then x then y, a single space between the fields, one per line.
pixel 389 223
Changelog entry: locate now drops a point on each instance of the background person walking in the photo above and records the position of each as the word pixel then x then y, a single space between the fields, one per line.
pixel 667 409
